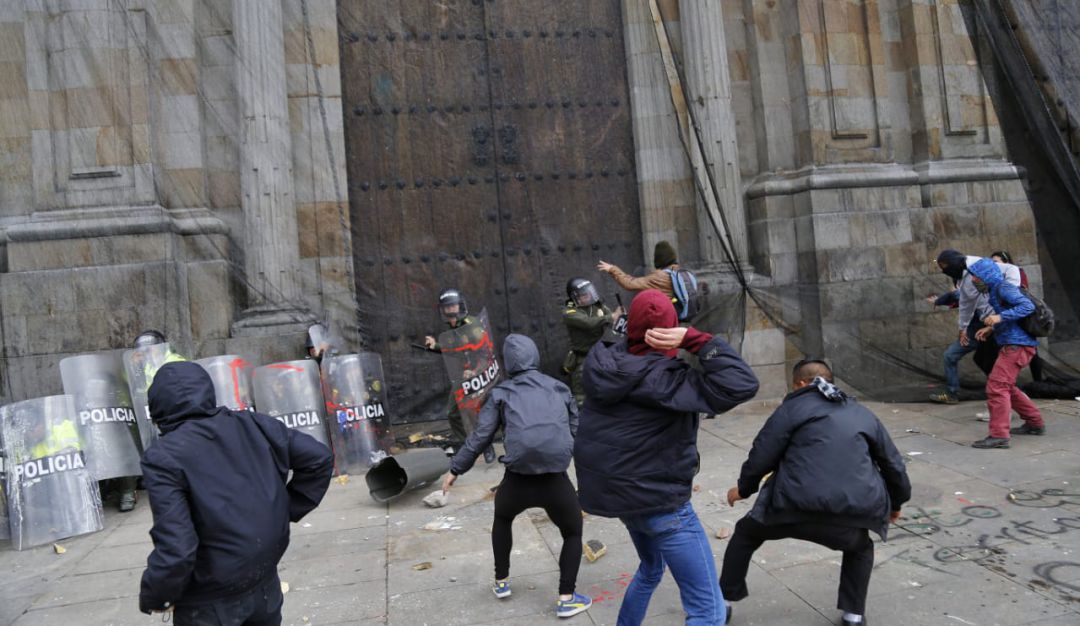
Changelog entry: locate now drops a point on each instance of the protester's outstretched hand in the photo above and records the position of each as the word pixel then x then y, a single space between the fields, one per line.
pixel 665 338
pixel 604 267
pixel 983 333
pixel 448 481
pixel 733 496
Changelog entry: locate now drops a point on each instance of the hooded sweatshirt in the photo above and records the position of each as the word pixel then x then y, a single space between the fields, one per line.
pixel 217 485
pixel 1008 302
pixel 831 461
pixel 636 449
pixel 538 415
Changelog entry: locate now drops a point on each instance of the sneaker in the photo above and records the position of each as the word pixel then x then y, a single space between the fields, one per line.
pixel 573 606
pixel 846 621
pixel 992 442
pixel 501 589
pixel 1028 429
pixel 944 398
pixel 127 501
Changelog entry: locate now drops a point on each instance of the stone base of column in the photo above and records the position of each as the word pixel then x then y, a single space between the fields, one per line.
pixel 272 319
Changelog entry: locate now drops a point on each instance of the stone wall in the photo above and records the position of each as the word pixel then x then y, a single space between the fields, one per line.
pixel 122 199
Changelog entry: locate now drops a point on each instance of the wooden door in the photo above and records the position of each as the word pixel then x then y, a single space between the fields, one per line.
pixel 489 149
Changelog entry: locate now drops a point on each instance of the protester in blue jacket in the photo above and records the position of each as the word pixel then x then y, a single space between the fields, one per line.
pixel 1017 350
pixel 636 449
pixel 222 500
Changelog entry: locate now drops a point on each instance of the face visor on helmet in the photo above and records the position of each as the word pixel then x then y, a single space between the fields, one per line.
pixel 452 307
pixel 583 293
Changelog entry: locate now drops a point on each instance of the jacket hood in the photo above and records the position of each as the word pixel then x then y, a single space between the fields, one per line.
pixel 180 391
pixel 520 354
pixel 987 271
pixel 955 263
pixel 650 309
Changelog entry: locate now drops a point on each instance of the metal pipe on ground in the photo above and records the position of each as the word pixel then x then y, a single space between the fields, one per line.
pixel 394 475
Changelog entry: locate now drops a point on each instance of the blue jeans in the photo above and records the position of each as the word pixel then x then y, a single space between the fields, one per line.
pixel 678 541
pixel 952 357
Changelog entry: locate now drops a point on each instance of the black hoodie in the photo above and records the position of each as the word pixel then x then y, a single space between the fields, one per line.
pixel 217 485
pixel 636 447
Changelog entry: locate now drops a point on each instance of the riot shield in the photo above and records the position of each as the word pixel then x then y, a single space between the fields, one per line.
pixel 469 355
pixel 355 392
pixel 232 380
pixel 292 392
pixel 51 493
pixel 104 412
pixel 140 366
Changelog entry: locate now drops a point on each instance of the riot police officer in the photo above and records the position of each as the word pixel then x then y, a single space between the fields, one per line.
pixel 149 338
pixel 586 320
pixel 455 312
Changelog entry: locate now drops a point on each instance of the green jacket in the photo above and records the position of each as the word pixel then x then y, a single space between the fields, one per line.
pixel 586 325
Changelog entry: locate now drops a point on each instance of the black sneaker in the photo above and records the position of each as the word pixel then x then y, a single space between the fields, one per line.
pixel 846 622
pixel 127 501
pixel 992 442
pixel 1028 429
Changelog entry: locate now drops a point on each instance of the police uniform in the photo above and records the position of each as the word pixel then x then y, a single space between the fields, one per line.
pixel 585 325
pixel 48 497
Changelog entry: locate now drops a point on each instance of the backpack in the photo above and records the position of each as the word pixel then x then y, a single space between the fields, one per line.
pixel 687 297
pixel 1041 322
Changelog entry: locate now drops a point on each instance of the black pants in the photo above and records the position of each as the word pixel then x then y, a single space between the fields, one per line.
pixel 853 542
pixel 555 494
pixel 259 607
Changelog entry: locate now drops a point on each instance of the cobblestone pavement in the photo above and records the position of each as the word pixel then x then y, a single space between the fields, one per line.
pixel 990 537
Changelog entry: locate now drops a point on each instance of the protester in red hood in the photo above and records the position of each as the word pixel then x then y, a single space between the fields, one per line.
pixel 636 449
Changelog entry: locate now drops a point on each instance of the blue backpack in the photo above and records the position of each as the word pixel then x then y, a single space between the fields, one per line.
pixel 687 298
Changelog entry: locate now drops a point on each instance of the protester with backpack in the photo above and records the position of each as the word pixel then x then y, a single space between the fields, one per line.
pixel 540 419
pixel 1011 314
pixel 678 284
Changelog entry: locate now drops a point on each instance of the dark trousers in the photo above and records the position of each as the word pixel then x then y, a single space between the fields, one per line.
pixel 855 569
pixel 259 607
pixel 555 494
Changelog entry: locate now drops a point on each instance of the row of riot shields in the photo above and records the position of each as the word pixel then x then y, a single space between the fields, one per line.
pixel 55 449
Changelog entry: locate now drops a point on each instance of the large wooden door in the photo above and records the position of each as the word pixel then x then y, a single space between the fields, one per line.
pixel 489 149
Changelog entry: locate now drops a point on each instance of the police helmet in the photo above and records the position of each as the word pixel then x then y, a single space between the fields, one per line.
pixel 452 306
pixel 582 292
pixel 149 338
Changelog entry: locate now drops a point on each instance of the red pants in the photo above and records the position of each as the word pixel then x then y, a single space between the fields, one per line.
pixel 1002 394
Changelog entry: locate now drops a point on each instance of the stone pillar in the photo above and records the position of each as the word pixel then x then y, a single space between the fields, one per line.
pixel 665 186
pixel 271 254
pixel 708 83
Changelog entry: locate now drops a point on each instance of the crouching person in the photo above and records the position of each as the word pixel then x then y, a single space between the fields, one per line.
pixel 539 417
pixel 217 485
pixel 835 474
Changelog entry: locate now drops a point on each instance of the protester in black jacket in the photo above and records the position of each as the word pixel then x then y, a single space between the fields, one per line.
pixel 217 485
pixel 832 473
pixel 539 416
pixel 636 449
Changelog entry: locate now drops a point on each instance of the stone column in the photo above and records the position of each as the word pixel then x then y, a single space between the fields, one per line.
pixel 271 253
pixel 665 186
pixel 708 83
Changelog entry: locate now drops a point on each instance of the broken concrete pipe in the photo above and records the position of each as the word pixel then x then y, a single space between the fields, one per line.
pixel 394 475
